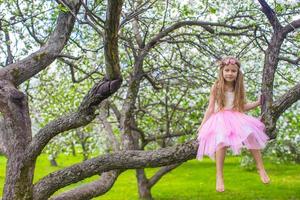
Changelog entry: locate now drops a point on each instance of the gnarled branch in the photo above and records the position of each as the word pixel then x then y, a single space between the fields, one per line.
pixel 26 68
pixel 291 27
pixel 84 115
pixel 286 100
pixel 130 159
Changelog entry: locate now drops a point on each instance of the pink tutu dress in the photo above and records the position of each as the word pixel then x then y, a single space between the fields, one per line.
pixel 232 129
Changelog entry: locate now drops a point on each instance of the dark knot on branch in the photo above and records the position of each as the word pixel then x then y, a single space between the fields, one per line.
pixel 16 96
pixel 99 92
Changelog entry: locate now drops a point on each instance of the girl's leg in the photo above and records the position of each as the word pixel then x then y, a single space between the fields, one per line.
pixel 220 156
pixel 259 165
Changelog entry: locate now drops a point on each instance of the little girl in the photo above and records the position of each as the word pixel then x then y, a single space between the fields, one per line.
pixel 226 125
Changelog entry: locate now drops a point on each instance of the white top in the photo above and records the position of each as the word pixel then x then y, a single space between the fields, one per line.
pixel 229 98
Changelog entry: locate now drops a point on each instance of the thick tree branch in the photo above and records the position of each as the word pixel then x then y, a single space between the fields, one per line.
pixel 130 159
pixel 270 66
pixel 291 27
pixel 99 92
pixel 271 15
pixel 110 39
pixel 286 100
pixel 84 115
pixel 26 68
pixel 59 125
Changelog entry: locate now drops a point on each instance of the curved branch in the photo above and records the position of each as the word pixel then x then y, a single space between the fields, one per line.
pixel 291 27
pixel 84 115
pixel 26 68
pixel 99 92
pixel 160 173
pixel 90 190
pixel 271 15
pixel 131 159
pixel 286 100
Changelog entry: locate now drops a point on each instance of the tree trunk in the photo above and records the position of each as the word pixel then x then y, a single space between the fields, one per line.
pixel 16 135
pixel 18 180
pixel 143 186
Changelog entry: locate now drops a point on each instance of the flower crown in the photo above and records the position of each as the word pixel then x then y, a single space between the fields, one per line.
pixel 228 61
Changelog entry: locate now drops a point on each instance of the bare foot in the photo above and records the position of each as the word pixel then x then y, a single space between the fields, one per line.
pixel 263 176
pixel 220 184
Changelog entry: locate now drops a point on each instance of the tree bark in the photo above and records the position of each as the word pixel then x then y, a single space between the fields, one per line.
pixel 143 186
pixel 271 110
pixel 28 67
pixel 129 159
pixel 16 136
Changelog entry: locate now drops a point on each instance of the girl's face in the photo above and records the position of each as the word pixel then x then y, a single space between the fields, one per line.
pixel 230 72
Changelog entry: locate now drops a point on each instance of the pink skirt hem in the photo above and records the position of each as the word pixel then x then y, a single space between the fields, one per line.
pixel 231 129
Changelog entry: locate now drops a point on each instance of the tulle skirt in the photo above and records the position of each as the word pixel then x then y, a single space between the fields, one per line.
pixel 232 129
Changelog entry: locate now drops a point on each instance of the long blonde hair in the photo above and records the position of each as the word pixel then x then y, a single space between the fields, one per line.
pixel 239 89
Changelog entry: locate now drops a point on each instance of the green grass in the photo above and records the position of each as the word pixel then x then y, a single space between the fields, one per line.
pixel 193 180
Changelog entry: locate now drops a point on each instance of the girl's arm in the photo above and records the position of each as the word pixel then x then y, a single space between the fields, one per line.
pixel 211 106
pixel 251 105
